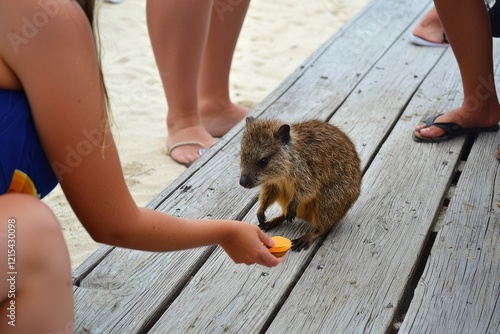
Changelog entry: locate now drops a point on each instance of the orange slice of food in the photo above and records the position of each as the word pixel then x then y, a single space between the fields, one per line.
pixel 281 246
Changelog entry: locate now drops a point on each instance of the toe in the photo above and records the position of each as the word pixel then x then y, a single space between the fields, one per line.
pixel 420 126
pixel 185 154
pixel 431 132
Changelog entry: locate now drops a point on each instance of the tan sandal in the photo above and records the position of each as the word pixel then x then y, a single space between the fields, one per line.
pixel 201 151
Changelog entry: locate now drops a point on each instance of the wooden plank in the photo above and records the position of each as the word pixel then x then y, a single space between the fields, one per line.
pixel 311 96
pixel 377 102
pixel 366 150
pixel 459 291
pixel 123 291
pixel 224 298
pixel 134 291
pixel 360 274
pixel 90 263
pixel 318 87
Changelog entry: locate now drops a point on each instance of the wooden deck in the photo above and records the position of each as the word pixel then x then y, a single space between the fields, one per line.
pixel 419 252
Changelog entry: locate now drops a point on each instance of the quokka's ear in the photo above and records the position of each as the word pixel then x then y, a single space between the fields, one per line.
pixel 284 134
pixel 249 120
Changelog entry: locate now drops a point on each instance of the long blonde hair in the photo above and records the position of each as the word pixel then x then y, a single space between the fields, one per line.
pixel 88 7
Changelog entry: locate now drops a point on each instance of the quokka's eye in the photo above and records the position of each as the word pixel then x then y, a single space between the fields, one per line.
pixel 263 162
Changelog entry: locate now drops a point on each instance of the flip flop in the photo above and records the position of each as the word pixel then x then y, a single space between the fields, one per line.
pixel 170 149
pixel 452 130
pixel 423 42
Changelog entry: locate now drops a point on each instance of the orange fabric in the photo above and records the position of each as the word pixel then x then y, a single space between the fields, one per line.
pixel 21 183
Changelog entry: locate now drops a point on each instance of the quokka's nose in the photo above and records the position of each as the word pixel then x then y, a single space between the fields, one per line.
pixel 245 181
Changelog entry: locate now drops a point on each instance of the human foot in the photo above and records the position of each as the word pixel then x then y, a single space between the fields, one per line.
pixel 457 120
pixel 218 119
pixel 498 152
pixel 186 145
pixel 429 31
pixel 443 42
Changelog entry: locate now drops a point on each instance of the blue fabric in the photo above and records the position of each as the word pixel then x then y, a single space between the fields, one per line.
pixel 20 147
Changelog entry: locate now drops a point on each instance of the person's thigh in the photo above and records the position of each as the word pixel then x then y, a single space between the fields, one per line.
pixel 34 262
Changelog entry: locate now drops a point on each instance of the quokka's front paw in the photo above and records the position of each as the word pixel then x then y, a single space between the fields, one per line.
pixel 300 244
pixel 264 226
pixel 290 216
pixel 291 212
pixel 262 218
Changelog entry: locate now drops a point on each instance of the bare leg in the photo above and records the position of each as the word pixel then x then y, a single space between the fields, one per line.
pixel 468 30
pixel 430 28
pixel 43 289
pixel 217 111
pixel 179 30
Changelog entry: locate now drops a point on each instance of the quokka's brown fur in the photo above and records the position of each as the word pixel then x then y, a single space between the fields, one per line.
pixel 311 169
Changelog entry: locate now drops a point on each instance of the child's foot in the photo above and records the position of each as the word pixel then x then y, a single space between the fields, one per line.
pixel 429 31
pixel 186 145
pixel 219 119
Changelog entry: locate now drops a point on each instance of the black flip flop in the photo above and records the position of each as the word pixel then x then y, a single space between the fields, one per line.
pixel 452 130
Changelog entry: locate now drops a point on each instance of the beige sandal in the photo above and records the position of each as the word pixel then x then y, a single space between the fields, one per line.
pixel 201 151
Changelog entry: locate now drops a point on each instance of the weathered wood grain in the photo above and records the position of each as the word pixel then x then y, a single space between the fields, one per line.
pixel 459 291
pixel 90 263
pixel 366 265
pixel 307 93
pixel 123 291
pixel 375 85
pixel 223 297
pixel 214 308
pixel 318 87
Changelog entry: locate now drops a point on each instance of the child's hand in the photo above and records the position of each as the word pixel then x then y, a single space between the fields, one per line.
pixel 247 243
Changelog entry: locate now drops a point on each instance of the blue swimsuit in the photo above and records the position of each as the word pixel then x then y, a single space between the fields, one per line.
pixel 24 168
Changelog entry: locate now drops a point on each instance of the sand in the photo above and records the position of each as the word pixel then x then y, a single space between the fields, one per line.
pixel 277 36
